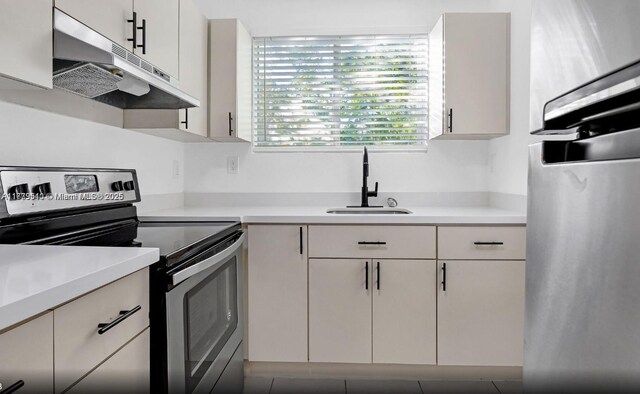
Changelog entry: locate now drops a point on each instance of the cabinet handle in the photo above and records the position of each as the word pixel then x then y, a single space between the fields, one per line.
pixel 13 388
pixel 366 275
pixel 104 327
pixel 444 276
pixel 144 37
pixel 185 122
pixel 378 272
pixel 300 240
pixel 230 129
pixel 371 243
pixel 488 243
pixel 134 30
pixel 450 116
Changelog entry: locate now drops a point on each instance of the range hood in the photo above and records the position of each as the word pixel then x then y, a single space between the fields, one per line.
pixel 90 65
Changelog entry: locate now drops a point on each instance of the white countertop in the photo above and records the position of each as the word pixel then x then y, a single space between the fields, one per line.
pixel 318 215
pixel 35 278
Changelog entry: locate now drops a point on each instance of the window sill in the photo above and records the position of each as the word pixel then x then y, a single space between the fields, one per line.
pixel 329 149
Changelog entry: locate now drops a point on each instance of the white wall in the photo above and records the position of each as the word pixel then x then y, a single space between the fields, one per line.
pixel 508 156
pixel 36 138
pixel 448 166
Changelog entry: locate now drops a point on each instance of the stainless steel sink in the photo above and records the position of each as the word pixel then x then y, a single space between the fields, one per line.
pixel 369 211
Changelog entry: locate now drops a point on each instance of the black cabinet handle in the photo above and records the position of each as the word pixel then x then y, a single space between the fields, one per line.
pixel 134 39
pixel 371 243
pixel 13 388
pixel 144 37
pixel 230 129
pixel 378 272
pixel 301 243
pixel 104 327
pixel 450 126
pixel 366 275
pixel 488 243
pixel 444 276
pixel 185 122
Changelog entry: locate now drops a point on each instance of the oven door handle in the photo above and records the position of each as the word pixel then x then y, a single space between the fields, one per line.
pixel 207 263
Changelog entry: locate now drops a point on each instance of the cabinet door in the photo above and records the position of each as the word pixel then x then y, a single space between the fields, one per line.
pixel 26 40
pixel 161 19
pixel 230 81
pixel 477 73
pixel 481 313
pixel 108 18
pixel 194 38
pixel 340 310
pixel 277 286
pixel 26 354
pixel 127 371
pixel 404 311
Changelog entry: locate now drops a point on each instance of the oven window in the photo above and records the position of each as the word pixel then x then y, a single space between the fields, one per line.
pixel 211 317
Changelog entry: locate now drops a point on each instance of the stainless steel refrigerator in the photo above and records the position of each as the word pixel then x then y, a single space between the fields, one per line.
pixel 582 327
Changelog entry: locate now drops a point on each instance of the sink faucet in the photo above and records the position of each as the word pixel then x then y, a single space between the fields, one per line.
pixel 365 190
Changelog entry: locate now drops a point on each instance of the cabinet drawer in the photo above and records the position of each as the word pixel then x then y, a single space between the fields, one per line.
pixel 26 355
pixel 399 242
pixel 482 243
pixel 78 346
pixel 127 371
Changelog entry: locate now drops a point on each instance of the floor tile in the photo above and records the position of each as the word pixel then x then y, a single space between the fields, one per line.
pixel 307 386
pixel 257 385
pixel 456 386
pixel 509 386
pixel 383 387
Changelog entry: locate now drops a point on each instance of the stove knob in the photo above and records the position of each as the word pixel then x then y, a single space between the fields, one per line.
pixel 18 192
pixel 129 185
pixel 43 189
pixel 117 186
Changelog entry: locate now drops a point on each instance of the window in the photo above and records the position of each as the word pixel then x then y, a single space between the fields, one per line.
pixel 340 91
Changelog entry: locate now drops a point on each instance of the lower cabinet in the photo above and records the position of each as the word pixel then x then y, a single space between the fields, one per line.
pixel 340 311
pixel 26 356
pixel 277 293
pixel 127 371
pixel 363 311
pixel 481 312
pixel 404 310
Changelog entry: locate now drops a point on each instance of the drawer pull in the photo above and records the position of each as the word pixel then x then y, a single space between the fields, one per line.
pixel 444 276
pixel 104 327
pixel 371 243
pixel 488 243
pixel 13 388
pixel 366 275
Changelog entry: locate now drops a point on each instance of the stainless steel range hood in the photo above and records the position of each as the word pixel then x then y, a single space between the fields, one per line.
pixel 90 65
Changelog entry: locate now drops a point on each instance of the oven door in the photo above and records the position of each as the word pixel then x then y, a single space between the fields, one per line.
pixel 204 320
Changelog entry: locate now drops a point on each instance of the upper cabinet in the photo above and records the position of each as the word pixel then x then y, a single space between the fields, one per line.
pixel 469 68
pixel 230 80
pixel 188 125
pixel 26 39
pixel 149 28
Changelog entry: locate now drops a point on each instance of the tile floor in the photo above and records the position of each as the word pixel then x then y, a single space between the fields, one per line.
pixel 260 385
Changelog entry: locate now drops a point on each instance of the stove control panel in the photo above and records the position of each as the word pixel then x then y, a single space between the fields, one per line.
pixel 30 190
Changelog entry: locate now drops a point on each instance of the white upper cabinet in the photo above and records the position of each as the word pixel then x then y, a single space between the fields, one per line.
pixel 156 36
pixel 187 125
pixel 26 41
pixel 158 39
pixel 109 18
pixel 469 68
pixel 230 81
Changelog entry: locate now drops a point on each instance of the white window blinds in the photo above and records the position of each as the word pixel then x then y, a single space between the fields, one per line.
pixel 340 91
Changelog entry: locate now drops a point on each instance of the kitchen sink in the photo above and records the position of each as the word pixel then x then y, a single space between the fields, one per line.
pixel 369 211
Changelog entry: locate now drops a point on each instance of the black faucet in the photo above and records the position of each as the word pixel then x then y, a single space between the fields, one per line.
pixel 365 190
